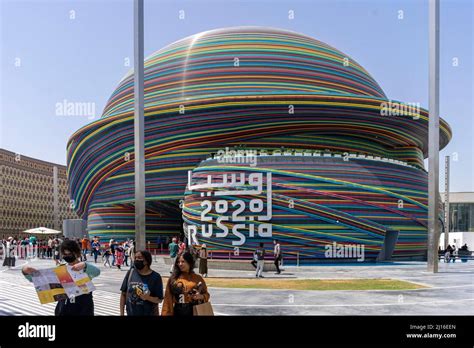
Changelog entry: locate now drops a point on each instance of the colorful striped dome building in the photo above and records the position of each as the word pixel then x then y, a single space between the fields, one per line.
pixel 254 134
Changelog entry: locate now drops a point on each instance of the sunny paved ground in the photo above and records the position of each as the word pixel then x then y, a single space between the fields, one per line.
pixel 449 292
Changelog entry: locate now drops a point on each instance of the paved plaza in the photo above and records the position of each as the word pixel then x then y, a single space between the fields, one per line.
pixel 449 292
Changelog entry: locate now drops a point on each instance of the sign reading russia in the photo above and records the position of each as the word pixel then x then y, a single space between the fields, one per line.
pixel 245 210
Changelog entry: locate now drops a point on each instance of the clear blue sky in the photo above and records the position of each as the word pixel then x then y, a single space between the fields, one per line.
pixel 82 59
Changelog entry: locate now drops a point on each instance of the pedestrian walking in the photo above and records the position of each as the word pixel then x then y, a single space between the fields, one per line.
pixel 184 289
pixel 112 246
pixel 449 253
pixel 260 252
pixel 173 249
pixel 182 247
pixel 56 252
pixel 119 256
pixel 9 258
pixel 106 256
pixel 203 261
pixel 85 244
pixel 83 304
pixel 50 248
pixel 447 256
pixel 277 255
pixel 254 260
pixel 24 248
pixel 132 252
pixel 126 250
pixel 142 288
pixel 33 247
pixel 95 249
pixel 454 253
pixel 43 246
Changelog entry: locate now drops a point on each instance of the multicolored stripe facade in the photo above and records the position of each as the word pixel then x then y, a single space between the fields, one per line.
pixel 317 120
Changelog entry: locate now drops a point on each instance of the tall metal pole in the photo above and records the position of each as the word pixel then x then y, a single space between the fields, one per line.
pixel 433 138
pixel 55 199
pixel 446 202
pixel 139 126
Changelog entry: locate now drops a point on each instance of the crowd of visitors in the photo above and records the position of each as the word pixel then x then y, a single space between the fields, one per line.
pixel 12 248
pixel 451 253
pixel 142 289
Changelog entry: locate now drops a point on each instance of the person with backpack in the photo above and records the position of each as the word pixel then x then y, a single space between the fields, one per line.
pixel 142 288
pixel 260 252
pixel 95 246
pixel 83 304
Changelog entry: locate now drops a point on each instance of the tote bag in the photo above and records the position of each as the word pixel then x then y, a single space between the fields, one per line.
pixel 204 309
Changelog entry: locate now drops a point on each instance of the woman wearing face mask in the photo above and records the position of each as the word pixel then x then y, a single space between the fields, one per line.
pixel 142 288
pixel 184 289
pixel 82 304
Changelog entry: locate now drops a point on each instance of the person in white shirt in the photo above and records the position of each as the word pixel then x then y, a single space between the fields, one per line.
pixel 277 255
pixel 49 253
pixel 260 252
pixel 9 259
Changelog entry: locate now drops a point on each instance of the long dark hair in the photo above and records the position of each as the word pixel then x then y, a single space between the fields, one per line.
pixel 188 257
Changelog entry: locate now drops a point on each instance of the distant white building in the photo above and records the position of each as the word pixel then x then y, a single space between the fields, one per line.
pixel 461 221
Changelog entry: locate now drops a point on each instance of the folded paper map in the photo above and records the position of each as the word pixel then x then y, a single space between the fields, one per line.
pixel 54 284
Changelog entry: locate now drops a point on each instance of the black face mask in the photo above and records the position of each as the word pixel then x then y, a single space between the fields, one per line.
pixel 69 258
pixel 138 264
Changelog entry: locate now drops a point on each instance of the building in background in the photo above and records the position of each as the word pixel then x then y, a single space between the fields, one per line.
pixel 254 134
pixel 461 219
pixel 27 194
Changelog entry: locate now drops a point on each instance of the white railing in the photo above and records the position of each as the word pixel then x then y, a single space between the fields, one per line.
pixel 23 252
pixel 316 153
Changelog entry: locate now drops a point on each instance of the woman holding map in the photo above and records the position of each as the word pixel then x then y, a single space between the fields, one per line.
pixel 71 305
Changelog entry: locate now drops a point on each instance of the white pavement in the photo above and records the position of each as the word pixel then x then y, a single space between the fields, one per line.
pixel 450 292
